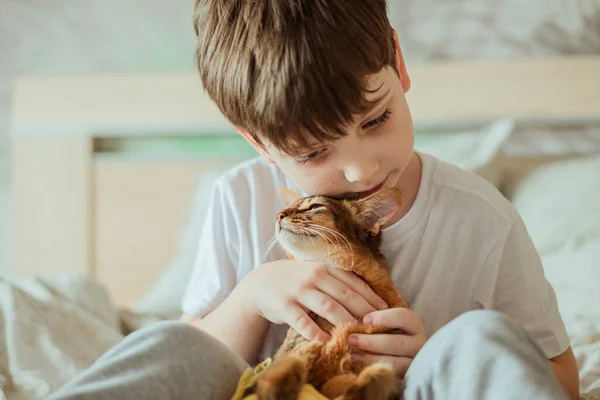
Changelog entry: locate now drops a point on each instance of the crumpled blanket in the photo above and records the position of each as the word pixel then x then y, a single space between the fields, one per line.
pixel 587 354
pixel 51 328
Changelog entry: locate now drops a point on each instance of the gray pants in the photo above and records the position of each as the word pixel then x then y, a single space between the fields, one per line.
pixel 479 355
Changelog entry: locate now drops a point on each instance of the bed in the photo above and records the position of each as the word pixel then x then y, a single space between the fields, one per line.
pixel 110 174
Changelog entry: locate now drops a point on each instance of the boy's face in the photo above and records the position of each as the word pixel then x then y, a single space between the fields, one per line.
pixel 373 155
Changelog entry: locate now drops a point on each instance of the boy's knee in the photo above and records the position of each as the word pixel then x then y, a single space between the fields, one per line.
pixel 472 330
pixel 165 329
pixel 479 324
pixel 185 342
pixel 173 336
pixel 481 320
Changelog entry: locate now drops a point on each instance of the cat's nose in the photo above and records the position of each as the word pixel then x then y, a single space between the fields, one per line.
pixel 281 216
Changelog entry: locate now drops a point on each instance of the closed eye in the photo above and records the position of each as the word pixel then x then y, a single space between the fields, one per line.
pixel 315 206
pixel 310 157
pixel 379 120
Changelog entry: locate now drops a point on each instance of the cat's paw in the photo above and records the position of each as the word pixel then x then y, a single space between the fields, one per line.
pixel 283 380
pixel 375 382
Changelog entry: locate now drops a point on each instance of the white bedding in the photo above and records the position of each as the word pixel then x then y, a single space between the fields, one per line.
pixel 52 328
pixel 560 205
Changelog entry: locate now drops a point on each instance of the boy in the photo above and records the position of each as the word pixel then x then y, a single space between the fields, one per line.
pixel 318 88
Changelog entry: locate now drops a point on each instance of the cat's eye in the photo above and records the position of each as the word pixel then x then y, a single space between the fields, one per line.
pixel 314 206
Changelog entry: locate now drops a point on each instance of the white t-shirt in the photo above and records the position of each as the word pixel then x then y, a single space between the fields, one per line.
pixel 462 246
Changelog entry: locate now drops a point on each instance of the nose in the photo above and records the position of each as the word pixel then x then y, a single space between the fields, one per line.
pixel 361 169
pixel 281 216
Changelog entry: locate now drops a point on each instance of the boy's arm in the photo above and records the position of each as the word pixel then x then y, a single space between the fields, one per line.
pixel 566 371
pixel 236 325
pixel 214 278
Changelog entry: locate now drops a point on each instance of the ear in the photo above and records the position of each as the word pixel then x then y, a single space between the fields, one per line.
pixel 261 150
pixel 287 196
pixel 378 208
pixel 401 65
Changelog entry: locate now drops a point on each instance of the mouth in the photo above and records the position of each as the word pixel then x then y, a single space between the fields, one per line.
pixel 283 229
pixel 366 192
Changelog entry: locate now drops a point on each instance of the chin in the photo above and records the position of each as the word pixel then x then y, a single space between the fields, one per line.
pixel 301 247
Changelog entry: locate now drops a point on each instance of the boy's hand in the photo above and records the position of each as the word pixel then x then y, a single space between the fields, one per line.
pixel 285 291
pixel 395 349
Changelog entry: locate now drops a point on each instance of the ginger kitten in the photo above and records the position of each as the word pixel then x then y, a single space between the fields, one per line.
pixel 345 234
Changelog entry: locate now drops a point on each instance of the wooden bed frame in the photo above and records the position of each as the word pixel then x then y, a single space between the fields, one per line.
pixel 118 217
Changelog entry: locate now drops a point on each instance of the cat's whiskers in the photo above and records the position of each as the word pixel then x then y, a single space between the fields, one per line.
pixel 327 240
pixel 340 236
pixel 332 248
pixel 320 191
pixel 269 247
pixel 304 230
pixel 336 235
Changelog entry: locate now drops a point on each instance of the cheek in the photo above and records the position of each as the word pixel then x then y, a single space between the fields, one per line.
pixel 401 121
pixel 319 180
pixel 392 146
pixel 322 219
pixel 399 141
pixel 311 179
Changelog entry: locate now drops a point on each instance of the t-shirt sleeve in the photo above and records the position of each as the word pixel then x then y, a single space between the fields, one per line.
pixel 215 274
pixel 513 282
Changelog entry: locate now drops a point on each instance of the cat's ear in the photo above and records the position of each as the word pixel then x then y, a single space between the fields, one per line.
pixel 378 208
pixel 287 196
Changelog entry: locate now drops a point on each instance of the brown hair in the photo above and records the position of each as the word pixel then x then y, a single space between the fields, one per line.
pixel 288 71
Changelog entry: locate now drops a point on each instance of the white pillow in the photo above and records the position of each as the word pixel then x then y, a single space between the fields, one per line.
pixel 477 150
pixel 164 298
pixel 560 201
pixel 560 205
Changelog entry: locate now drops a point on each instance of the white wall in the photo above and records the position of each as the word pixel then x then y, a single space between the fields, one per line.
pixel 80 37
pixel 87 36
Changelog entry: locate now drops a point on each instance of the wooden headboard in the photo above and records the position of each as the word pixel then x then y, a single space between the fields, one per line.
pixel 84 203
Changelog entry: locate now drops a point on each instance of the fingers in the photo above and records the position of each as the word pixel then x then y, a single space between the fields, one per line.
pixel 391 344
pixel 398 318
pixel 399 364
pixel 346 296
pixel 359 286
pixel 300 321
pixel 325 306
